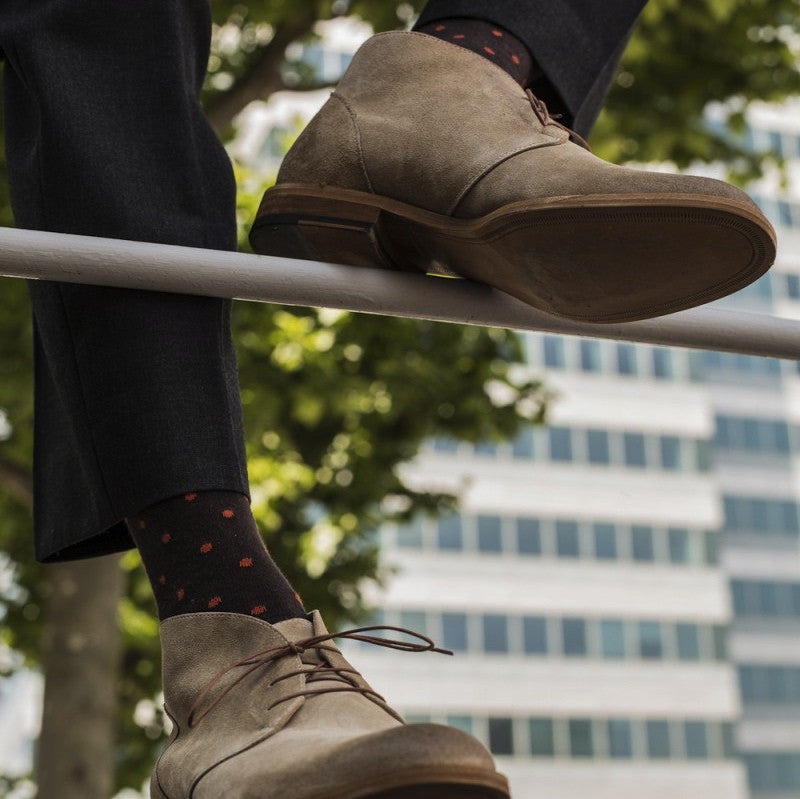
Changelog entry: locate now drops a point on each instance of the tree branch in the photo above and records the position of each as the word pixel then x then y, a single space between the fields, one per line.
pixel 262 78
pixel 16 481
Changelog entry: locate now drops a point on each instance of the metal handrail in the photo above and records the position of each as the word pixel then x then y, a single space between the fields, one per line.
pixel 160 267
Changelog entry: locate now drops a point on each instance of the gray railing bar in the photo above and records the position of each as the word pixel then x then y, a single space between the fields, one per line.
pixel 159 267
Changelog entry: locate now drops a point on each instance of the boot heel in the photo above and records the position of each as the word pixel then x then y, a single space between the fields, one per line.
pixel 318 228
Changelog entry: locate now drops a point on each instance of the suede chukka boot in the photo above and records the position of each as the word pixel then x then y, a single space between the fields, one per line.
pixel 429 158
pixel 265 711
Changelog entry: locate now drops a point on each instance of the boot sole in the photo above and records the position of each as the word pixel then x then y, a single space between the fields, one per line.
pixel 418 785
pixel 601 258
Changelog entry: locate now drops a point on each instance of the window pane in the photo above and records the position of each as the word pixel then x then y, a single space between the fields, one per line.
pixel 678 539
pixel 489 536
pixel 633 445
pixel 720 642
pixel 590 355
pixel 541 732
pixel 626 359
pixel 454 631
pixel 642 538
pixel 597 446
pixel 711 548
pixel 658 739
pixel 501 737
pixel 414 620
pixel 554 352
pixel 410 535
pixel 529 539
pixel 696 743
pixel 670 452
pixel 612 635
pixel 605 541
pixel 463 723
pixel 560 443
pixel 574 635
pixel 662 363
pixel 580 738
pixel 449 533
pixel 567 545
pixel 522 446
pixel 620 740
pixel 688 641
pixel 650 645
pixel 495 633
pixel 534 630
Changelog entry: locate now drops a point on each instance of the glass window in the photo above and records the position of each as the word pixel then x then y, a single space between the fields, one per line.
pixel 522 446
pixel 793 286
pixel 658 744
pixel 463 723
pixel 450 535
pixel 597 446
pixel 650 644
pixel 554 352
pixel 720 635
pixel 795 595
pixel 590 355
pixel 409 535
pixel 642 541
pixel 688 636
pixel 541 733
pixel 662 363
pixel 560 443
pixel 485 448
pixel 738 593
pixel 414 620
pixel 620 739
pixel 580 738
pixel 747 683
pixel 670 452
pixel 574 637
pixel 529 539
pixel 633 446
pixel 768 598
pixel 501 736
pixel 612 636
pixel 495 633
pixel 678 543
pixel 605 541
pixel 454 631
pixel 780 437
pixel 489 534
pixel 626 359
pixel 567 543
pixel 711 541
pixel 534 631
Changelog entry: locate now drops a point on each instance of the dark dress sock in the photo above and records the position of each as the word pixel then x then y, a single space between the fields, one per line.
pixel 202 552
pixel 577 44
pixel 491 41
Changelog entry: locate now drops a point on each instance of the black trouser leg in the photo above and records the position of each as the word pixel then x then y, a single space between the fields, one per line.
pixel 136 392
pixel 577 43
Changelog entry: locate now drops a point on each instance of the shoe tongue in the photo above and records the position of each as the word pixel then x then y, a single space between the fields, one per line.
pixel 295 629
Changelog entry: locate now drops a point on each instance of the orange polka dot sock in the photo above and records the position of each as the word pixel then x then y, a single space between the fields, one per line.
pixel 489 40
pixel 203 553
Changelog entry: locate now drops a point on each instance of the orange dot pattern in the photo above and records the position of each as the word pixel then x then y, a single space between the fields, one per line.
pixel 203 553
pixel 497 45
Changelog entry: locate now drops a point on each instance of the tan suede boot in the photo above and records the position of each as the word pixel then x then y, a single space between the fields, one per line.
pixel 275 712
pixel 429 157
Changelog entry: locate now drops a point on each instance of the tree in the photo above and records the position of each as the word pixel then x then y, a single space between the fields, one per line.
pixel 333 401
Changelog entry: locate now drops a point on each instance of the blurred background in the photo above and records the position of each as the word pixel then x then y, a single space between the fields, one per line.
pixel 606 534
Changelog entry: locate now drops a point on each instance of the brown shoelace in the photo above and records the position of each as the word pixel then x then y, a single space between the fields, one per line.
pixel 544 116
pixel 314 672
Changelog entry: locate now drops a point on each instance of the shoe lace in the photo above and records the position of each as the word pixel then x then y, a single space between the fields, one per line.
pixel 313 671
pixel 546 118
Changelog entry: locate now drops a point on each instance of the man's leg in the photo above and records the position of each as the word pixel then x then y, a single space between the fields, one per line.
pixel 139 419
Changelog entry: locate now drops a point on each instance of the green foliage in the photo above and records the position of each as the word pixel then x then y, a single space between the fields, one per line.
pixel 684 57
pixel 336 402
